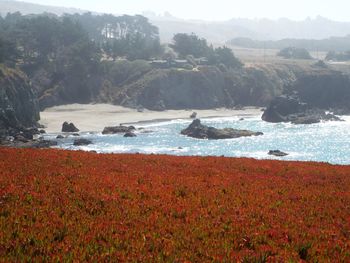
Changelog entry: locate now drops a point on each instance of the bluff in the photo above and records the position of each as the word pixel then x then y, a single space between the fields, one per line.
pixel 206 88
pixel 138 85
pixel 19 108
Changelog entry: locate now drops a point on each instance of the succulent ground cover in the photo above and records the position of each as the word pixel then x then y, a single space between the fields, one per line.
pixel 77 206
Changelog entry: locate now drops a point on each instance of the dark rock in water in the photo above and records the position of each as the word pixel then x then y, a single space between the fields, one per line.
pixel 118 129
pixel 21 138
pixel 60 137
pixel 81 142
pixel 69 127
pixel 43 144
pixel 241 119
pixel 277 153
pixel 200 131
pixel 42 131
pixel 341 111
pixel 129 135
pixel 76 134
pixel 290 109
pixel 193 115
pixel 39 144
pixel 281 107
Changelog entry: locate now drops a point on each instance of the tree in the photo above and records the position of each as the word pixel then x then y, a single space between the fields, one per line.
pixel 190 44
pixel 341 56
pixel 225 56
pixel 127 36
pixel 8 51
pixel 294 53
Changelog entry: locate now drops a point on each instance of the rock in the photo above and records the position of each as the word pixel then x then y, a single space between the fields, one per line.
pixel 290 109
pixel 38 144
pixel 129 135
pixel 21 138
pixel 76 134
pixel 277 153
pixel 193 115
pixel 281 107
pixel 118 129
pixel 199 131
pixel 60 137
pixel 82 142
pixel 241 119
pixel 19 107
pixel 159 106
pixel 42 131
pixel 43 144
pixel 341 111
pixel 69 127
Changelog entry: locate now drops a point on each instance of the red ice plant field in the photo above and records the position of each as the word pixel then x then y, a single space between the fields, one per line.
pixel 77 206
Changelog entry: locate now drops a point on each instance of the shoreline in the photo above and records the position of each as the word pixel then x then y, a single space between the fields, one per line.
pixel 94 117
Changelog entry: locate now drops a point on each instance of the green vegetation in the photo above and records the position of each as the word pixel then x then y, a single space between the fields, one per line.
pixel 294 53
pixel 191 45
pixel 132 37
pixel 341 56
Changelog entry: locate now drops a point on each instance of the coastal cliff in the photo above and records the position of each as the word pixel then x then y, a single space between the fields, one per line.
pixel 19 108
pixel 212 87
pixel 138 85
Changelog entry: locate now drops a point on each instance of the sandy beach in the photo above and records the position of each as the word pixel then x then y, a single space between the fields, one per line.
pixel 94 117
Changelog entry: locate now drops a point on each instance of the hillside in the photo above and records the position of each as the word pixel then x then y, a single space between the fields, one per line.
pixel 215 32
pixel 339 44
pixel 12 6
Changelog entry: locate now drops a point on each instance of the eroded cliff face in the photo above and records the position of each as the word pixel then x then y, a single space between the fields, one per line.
pixel 207 88
pixel 19 107
pixel 204 88
pixel 324 89
pixel 257 85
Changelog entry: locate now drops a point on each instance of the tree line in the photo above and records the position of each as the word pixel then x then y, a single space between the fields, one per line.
pixel 39 39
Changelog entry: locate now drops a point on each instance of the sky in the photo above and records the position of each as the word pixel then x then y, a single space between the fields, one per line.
pixel 216 10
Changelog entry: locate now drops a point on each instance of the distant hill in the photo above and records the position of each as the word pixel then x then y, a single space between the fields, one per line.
pixel 257 29
pixel 12 6
pixel 215 32
pixel 339 44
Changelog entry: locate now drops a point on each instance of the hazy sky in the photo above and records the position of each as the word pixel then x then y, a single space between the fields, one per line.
pixel 217 9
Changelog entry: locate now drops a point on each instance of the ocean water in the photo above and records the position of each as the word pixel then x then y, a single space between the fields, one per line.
pixel 323 142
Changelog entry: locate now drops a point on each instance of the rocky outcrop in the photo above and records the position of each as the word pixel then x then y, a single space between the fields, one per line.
pixel 281 108
pixel 130 135
pixel 69 127
pixel 277 153
pixel 19 109
pixel 200 131
pixel 81 142
pixel 24 143
pixel 323 89
pixel 118 129
pixel 290 109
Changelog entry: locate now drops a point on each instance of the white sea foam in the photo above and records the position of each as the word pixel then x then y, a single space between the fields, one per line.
pixel 324 142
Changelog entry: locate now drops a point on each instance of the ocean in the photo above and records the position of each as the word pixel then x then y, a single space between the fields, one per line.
pixel 322 142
